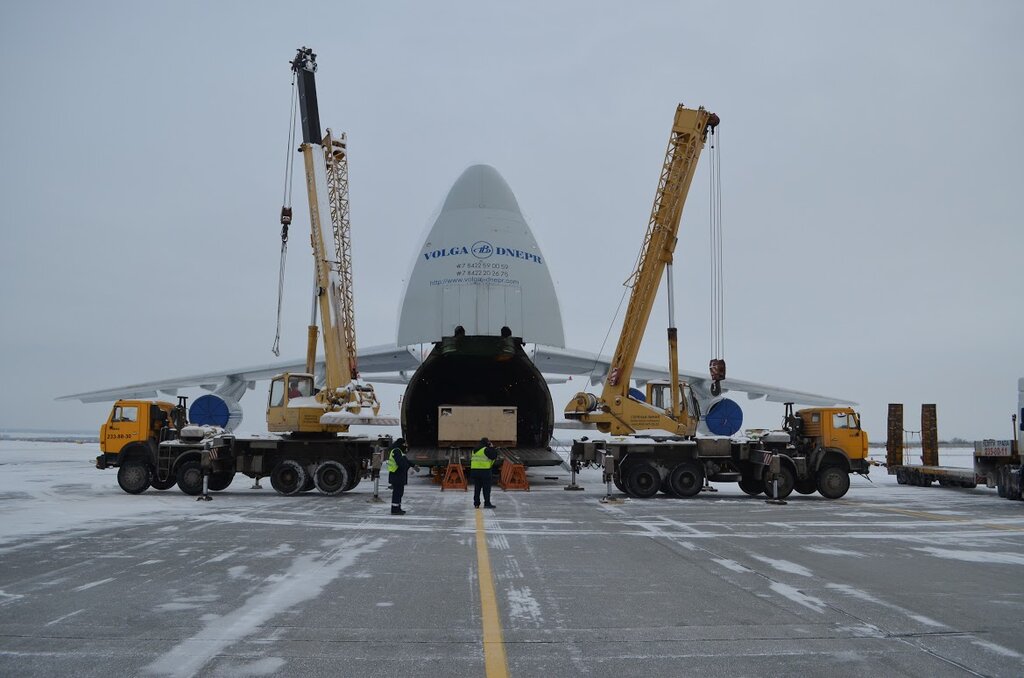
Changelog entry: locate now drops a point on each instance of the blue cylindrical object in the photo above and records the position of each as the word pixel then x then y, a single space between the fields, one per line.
pixel 637 394
pixel 724 418
pixel 215 410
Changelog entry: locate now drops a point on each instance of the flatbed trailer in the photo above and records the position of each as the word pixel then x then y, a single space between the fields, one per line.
pixel 997 463
pixel 946 476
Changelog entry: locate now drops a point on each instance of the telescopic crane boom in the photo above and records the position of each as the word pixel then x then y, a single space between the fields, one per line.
pixel 326 165
pixel 615 411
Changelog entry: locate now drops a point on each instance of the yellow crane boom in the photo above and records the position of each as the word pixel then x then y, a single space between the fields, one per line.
pixel 615 412
pixel 327 176
pixel 326 169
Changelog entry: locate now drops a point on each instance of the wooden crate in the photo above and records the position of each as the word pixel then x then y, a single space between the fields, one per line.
pixel 465 425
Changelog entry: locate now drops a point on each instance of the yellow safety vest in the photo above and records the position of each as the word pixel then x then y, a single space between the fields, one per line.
pixel 392 464
pixel 479 460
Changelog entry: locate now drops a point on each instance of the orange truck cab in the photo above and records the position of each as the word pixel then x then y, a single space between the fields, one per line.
pixel 129 440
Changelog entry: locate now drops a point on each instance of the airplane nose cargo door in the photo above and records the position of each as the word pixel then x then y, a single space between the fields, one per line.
pixel 481 309
pixel 478 371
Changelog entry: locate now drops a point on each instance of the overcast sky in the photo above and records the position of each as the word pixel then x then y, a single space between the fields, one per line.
pixel 871 178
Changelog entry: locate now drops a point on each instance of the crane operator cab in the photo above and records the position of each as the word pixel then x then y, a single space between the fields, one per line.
pixel 288 409
pixel 659 394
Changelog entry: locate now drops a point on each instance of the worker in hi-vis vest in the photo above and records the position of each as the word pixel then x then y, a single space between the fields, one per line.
pixel 480 465
pixel 398 475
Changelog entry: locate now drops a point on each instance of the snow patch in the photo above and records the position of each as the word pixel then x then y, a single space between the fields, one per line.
pixel 865 596
pixel 304 580
pixel 731 565
pixel 67 616
pixel 785 566
pixel 83 587
pixel 522 606
pixel 222 557
pixel 176 607
pixel 987 557
pixel 998 649
pixel 9 597
pixel 498 542
pixel 797 596
pixel 280 550
pixel 261 667
pixel 829 551
pixel 864 630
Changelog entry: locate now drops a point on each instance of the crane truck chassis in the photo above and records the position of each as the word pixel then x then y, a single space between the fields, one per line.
pixel 795 458
pixel 152 445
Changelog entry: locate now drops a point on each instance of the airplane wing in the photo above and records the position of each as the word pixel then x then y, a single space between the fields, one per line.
pixel 233 383
pixel 570 361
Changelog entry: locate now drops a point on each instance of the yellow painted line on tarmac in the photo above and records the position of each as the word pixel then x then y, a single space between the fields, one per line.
pixel 495 662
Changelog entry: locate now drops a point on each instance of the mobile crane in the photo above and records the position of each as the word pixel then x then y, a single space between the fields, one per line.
pixel 818 447
pixel 308 450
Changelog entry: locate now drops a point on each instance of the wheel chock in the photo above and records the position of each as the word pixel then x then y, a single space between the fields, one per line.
pixel 454 478
pixel 513 477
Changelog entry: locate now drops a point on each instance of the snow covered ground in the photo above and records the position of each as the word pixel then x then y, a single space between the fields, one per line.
pixel 890 580
pixel 55 489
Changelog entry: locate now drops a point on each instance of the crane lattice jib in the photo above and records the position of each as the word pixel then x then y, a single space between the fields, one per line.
pixel 689 130
pixel 337 187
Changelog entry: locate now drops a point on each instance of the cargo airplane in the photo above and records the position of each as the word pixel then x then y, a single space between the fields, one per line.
pixel 481 294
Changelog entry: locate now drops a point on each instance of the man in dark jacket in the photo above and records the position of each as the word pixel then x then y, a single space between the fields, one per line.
pixel 480 464
pixel 398 475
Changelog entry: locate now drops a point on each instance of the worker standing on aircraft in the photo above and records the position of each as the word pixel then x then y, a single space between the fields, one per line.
pixel 398 475
pixel 480 465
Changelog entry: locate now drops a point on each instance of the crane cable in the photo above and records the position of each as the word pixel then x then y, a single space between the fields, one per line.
pixel 286 213
pixel 717 364
pixel 597 361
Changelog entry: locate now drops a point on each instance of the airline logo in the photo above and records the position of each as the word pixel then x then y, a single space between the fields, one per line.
pixel 482 249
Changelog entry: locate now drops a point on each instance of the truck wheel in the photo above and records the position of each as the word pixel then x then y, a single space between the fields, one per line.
pixel 644 481
pixel 288 477
pixel 133 477
pixel 617 482
pixel 1012 486
pixel 1001 478
pixel 162 484
pixel 354 476
pixel 220 480
pixel 687 479
pixel 331 478
pixel 833 482
pixel 752 486
pixel 786 482
pixel 806 485
pixel 190 478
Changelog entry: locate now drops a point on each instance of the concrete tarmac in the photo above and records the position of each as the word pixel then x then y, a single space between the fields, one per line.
pixel 889 581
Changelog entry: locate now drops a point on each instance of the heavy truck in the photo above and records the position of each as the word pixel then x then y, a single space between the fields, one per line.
pixel 308 444
pixel 654 443
pixel 131 436
pixel 996 462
